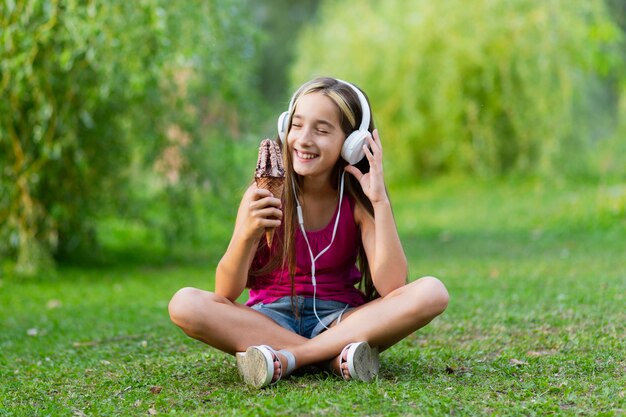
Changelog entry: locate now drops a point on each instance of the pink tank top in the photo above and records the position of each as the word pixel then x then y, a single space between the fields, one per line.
pixel 335 271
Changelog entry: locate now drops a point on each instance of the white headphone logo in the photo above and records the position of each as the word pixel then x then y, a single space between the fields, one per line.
pixel 352 150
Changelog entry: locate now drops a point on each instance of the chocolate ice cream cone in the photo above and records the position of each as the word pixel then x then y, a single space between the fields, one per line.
pixel 275 186
pixel 270 175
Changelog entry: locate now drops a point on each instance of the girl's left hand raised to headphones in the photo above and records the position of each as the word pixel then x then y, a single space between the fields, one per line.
pixel 373 183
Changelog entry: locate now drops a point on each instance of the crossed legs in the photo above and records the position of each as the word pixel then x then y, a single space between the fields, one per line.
pixel 232 327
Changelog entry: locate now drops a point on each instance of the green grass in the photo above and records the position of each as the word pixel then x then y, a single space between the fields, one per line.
pixel 535 326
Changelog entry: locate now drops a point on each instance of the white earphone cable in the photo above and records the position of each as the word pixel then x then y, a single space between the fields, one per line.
pixel 306 239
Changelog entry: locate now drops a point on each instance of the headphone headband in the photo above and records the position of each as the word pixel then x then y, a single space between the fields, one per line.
pixel 365 107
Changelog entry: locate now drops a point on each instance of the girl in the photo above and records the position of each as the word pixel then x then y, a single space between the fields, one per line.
pixel 303 300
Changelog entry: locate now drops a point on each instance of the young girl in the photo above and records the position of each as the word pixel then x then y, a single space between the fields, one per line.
pixel 304 308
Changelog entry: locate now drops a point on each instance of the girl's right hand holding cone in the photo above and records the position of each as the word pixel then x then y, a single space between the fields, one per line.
pixel 263 211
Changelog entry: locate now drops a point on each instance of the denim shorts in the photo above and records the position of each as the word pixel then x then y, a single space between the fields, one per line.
pixel 306 323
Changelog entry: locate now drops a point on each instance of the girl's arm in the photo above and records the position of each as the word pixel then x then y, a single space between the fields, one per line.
pixel 383 248
pixel 258 209
pixel 384 251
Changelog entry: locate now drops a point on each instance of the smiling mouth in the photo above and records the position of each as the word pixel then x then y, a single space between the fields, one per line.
pixel 306 155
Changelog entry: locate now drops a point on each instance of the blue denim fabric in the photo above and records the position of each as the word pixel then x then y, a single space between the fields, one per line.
pixel 306 324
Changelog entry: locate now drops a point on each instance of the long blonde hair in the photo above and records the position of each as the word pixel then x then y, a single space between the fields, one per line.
pixel 350 112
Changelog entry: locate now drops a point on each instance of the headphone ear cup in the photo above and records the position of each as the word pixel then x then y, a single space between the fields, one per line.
pixel 283 119
pixel 352 150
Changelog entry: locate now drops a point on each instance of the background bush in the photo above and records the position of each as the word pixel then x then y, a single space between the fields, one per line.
pixel 134 125
pixel 521 86
pixel 94 93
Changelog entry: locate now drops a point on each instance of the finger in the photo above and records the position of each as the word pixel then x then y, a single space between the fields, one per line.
pixel 368 152
pixel 377 139
pixel 260 193
pixel 268 214
pixel 268 223
pixel 276 202
pixel 354 171
pixel 265 202
pixel 375 145
pixel 370 139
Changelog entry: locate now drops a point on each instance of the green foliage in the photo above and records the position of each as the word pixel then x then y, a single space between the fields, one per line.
pixel 68 88
pixel 280 21
pixel 95 94
pixel 496 87
pixel 212 99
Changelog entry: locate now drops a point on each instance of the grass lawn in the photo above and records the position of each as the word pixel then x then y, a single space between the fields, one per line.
pixel 536 323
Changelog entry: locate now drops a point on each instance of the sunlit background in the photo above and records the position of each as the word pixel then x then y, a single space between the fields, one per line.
pixel 133 126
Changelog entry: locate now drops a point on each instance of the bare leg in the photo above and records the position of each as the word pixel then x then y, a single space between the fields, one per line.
pixel 381 323
pixel 232 327
pixel 227 326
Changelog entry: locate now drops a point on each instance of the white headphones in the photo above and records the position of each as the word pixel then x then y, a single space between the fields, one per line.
pixel 352 150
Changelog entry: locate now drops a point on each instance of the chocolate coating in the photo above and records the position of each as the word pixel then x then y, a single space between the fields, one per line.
pixel 270 162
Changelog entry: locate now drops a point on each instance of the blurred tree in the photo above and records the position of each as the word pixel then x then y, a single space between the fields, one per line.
pixel 607 156
pixel 215 98
pixel 280 21
pixel 94 91
pixel 618 11
pixel 490 88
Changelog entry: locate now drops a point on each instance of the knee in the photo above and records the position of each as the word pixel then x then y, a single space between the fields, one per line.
pixel 183 305
pixel 435 293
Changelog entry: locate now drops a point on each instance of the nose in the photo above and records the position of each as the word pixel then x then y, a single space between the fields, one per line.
pixel 302 136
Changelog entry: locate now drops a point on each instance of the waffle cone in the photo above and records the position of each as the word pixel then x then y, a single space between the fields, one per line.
pixel 275 186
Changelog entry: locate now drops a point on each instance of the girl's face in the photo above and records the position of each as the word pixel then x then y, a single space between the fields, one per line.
pixel 315 138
